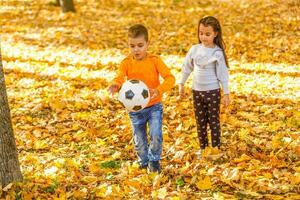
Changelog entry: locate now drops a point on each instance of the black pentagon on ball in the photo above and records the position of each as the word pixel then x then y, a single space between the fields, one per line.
pixel 136 108
pixel 134 81
pixel 145 94
pixel 129 94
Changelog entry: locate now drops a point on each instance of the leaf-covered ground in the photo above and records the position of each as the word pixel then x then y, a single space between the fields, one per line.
pixel 75 142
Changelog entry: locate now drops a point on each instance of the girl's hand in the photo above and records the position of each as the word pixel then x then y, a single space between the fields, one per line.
pixel 153 93
pixel 112 89
pixel 226 100
pixel 181 91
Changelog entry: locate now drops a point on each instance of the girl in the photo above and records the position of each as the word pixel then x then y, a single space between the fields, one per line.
pixel 209 63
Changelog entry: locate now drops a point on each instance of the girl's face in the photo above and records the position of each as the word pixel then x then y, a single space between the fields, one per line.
pixel 207 35
pixel 138 47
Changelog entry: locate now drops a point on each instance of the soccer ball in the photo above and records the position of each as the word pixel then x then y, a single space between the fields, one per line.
pixel 134 95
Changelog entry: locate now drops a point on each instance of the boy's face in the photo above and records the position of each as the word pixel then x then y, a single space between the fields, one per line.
pixel 138 47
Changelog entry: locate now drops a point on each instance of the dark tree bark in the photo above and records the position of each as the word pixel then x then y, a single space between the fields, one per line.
pixel 67 5
pixel 9 163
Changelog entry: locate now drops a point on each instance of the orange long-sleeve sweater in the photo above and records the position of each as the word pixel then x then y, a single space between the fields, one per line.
pixel 147 70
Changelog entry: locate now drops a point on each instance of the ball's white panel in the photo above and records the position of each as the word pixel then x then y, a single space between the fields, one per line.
pixel 136 98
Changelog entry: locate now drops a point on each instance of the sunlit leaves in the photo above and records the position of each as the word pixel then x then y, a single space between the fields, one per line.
pixel 204 183
pixel 75 140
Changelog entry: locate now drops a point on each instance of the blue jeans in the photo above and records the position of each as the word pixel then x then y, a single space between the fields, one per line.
pixel 153 116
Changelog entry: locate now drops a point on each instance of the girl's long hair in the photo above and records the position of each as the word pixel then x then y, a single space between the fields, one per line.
pixel 215 24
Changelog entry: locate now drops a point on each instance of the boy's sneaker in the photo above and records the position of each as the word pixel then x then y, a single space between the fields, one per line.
pixel 154 166
pixel 143 166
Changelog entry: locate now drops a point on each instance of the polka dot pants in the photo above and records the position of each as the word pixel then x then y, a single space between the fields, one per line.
pixel 207 111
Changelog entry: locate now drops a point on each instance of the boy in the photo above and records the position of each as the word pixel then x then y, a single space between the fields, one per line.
pixel 147 68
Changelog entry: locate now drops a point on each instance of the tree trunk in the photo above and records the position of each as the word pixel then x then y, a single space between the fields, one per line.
pixel 57 3
pixel 67 5
pixel 9 163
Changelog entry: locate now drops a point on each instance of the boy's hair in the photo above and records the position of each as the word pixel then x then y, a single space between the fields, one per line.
pixel 138 30
pixel 215 24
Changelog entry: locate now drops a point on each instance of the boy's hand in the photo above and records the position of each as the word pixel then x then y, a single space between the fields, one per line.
pixel 226 100
pixel 153 93
pixel 112 89
pixel 181 91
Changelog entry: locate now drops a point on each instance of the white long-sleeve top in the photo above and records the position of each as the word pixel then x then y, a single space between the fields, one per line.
pixel 209 68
